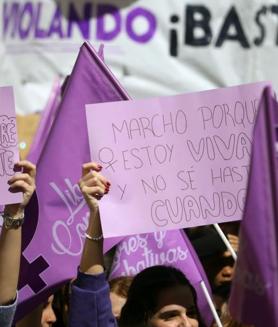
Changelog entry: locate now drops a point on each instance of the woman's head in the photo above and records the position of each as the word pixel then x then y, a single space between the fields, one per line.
pixel 160 296
pixel 118 293
pixel 48 315
pixel 120 285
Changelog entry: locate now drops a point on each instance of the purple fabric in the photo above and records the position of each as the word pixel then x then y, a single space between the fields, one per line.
pixel 254 296
pixel 202 302
pixel 90 302
pixel 47 117
pixel 53 247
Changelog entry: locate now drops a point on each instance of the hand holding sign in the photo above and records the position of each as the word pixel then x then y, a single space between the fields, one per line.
pixel 10 237
pixel 92 185
pixel 24 182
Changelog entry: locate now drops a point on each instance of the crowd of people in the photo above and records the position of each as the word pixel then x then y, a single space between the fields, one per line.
pixel 159 296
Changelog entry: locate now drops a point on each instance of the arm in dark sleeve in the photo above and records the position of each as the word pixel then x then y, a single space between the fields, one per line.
pixel 90 304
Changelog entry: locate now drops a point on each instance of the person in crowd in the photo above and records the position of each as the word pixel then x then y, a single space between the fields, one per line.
pixel 216 259
pixel 42 316
pixel 227 320
pixel 48 317
pixel 61 305
pixel 160 296
pixel 10 239
pixel 118 293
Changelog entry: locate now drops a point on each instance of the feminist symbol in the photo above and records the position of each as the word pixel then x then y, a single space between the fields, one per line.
pixel 30 271
pixel 106 156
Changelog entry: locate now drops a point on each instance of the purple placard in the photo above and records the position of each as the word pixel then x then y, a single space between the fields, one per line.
pixel 9 153
pixel 174 162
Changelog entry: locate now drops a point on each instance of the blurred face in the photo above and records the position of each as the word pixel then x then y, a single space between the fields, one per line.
pixel 175 308
pixel 117 303
pixel 173 316
pixel 48 315
pixel 225 275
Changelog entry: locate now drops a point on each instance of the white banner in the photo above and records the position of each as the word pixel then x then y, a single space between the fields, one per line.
pixel 155 47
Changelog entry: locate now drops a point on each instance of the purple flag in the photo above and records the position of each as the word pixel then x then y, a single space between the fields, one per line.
pixel 173 248
pixel 254 296
pixel 47 117
pixel 53 243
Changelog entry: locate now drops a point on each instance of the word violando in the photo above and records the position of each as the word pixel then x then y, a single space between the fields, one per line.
pixel 26 20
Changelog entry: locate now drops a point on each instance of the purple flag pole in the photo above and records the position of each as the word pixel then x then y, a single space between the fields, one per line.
pixel 203 284
pixel 254 295
pixel 210 303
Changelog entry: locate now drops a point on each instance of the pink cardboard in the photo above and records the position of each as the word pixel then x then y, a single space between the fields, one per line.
pixel 174 162
pixel 9 153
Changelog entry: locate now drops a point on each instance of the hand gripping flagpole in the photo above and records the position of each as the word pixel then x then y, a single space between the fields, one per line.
pixel 210 303
pixel 225 240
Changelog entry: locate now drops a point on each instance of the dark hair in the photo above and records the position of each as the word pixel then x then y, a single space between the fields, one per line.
pixel 144 292
pixel 120 285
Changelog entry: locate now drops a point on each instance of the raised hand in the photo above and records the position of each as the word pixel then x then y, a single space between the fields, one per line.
pixel 23 181
pixel 92 184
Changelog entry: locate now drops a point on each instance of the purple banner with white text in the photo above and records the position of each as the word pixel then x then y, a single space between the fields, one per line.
pixel 53 241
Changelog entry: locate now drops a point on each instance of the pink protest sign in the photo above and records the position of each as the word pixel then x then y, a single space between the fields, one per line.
pixel 174 162
pixel 9 154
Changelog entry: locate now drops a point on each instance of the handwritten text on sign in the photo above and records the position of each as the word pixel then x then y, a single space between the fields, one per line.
pixel 8 145
pixel 174 162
